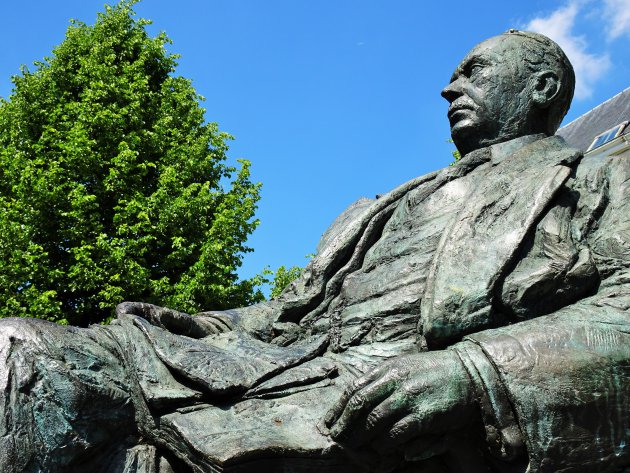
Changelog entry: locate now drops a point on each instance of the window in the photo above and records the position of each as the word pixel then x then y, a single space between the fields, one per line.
pixel 607 136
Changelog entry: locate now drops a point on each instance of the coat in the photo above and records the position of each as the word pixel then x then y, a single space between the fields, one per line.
pixel 525 282
pixel 523 273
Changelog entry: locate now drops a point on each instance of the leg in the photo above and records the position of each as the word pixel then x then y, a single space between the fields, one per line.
pixel 64 397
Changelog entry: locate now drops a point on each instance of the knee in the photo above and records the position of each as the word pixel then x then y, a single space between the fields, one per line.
pixel 57 381
pixel 15 334
pixel 22 341
pixel 19 329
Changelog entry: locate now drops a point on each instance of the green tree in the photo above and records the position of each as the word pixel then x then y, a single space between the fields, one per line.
pixel 112 185
pixel 282 278
pixel 456 154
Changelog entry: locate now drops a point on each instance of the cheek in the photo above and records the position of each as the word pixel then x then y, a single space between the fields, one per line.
pixel 502 100
pixel 485 92
pixel 477 95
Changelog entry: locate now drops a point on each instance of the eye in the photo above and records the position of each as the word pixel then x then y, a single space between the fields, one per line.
pixel 475 69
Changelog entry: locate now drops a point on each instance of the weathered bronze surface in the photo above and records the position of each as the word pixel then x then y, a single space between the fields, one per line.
pixel 474 319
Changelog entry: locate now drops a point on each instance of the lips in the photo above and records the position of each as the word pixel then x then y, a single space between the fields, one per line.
pixel 459 109
pixel 454 109
pixel 458 113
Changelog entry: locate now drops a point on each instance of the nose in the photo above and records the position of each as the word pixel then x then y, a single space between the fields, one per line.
pixel 452 91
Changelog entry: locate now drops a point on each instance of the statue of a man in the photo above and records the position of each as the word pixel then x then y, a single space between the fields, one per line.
pixel 473 319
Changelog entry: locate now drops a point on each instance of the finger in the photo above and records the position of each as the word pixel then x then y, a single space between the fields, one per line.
pixel 423 415
pixel 175 322
pixel 335 412
pixel 214 323
pixel 404 430
pixel 123 308
pixel 147 312
pixel 373 424
pixel 356 416
pixel 209 326
pixel 133 308
pixel 225 320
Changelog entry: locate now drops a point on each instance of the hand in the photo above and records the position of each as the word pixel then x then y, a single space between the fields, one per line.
pixel 411 403
pixel 176 322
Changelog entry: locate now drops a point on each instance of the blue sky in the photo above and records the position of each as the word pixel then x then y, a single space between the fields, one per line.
pixel 332 100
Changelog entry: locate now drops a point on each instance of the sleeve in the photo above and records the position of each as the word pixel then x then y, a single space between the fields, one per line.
pixel 559 384
pixel 257 319
pixel 261 320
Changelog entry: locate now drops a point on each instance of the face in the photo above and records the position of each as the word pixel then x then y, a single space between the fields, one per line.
pixel 488 94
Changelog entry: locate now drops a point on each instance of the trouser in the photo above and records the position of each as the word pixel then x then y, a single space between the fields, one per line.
pixel 65 399
pixel 70 404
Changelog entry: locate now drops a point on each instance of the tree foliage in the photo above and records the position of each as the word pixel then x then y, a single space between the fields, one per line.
pixel 112 185
pixel 282 277
pixel 455 153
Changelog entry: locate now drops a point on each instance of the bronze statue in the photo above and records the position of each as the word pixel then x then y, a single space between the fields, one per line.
pixel 474 319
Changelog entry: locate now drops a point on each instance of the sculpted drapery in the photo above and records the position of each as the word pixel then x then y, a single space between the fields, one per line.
pixel 473 319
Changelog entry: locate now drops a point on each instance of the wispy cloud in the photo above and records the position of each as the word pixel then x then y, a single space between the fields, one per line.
pixel 617 15
pixel 559 26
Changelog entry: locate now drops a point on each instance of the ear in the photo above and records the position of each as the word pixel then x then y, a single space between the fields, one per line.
pixel 545 88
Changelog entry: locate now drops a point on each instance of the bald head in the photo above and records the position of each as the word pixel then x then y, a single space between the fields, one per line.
pixel 511 85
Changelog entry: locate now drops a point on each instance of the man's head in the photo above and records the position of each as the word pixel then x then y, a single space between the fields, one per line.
pixel 511 85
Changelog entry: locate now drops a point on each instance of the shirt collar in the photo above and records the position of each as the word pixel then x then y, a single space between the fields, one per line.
pixel 500 151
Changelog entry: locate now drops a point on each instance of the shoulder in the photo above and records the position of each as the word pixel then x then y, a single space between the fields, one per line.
pixel 557 147
pixel 365 208
pixel 354 211
pixel 603 187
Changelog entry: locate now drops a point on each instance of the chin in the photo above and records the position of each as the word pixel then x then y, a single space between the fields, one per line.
pixel 465 136
pixel 464 127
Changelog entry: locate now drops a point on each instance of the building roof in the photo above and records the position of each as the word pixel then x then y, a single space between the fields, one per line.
pixel 581 132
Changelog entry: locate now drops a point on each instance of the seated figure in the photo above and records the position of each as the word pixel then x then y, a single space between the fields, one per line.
pixel 473 319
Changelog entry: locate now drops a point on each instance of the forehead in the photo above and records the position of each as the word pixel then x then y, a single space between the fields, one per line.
pixel 499 49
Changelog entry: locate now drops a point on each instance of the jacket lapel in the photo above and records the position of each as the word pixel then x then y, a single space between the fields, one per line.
pixel 320 282
pixel 484 237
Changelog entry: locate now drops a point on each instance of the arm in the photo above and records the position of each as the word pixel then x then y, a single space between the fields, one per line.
pixel 567 377
pixel 560 384
pixel 257 319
